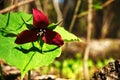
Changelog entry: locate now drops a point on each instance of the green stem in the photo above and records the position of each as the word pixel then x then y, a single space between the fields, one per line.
pixel 41 44
pixel 29 75
pixel 2 77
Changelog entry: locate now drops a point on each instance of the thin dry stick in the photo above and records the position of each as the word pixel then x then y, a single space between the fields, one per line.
pixel 74 15
pixel 57 9
pixel 89 31
pixel 15 6
pixel 107 3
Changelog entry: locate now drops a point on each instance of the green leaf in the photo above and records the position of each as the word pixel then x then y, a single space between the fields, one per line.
pixel 52 26
pixel 67 36
pixel 97 5
pixel 27 56
pixel 13 22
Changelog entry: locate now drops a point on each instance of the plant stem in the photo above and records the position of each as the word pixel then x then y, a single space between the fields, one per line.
pixel 29 75
pixel 2 77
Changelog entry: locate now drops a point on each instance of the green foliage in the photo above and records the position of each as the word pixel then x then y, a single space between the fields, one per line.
pixel 102 63
pixel 27 57
pixel 30 55
pixel 97 5
pixel 67 36
pixel 73 68
pixel 52 26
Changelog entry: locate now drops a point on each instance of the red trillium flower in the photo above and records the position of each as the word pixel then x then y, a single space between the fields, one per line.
pixel 40 23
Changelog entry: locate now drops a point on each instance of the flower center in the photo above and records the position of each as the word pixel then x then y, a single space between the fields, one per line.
pixel 41 32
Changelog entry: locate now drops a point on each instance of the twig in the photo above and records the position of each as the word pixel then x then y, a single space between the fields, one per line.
pixel 74 15
pixel 15 6
pixel 107 3
pixel 102 6
pixel 89 31
pixel 57 9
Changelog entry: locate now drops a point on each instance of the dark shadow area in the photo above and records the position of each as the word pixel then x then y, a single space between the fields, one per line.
pixel 34 49
pixel 11 76
pixel 6 33
pixel 10 35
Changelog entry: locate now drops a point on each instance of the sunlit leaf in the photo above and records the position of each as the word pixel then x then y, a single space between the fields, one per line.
pixel 67 36
pixel 27 56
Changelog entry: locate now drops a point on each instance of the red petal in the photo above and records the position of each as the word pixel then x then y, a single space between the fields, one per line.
pixel 40 20
pixel 52 37
pixel 26 36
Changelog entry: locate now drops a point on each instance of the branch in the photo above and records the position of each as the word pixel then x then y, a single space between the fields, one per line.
pixel 57 9
pixel 74 15
pixel 107 3
pixel 15 6
pixel 89 32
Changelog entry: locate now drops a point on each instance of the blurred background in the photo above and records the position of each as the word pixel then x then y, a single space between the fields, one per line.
pixel 96 22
